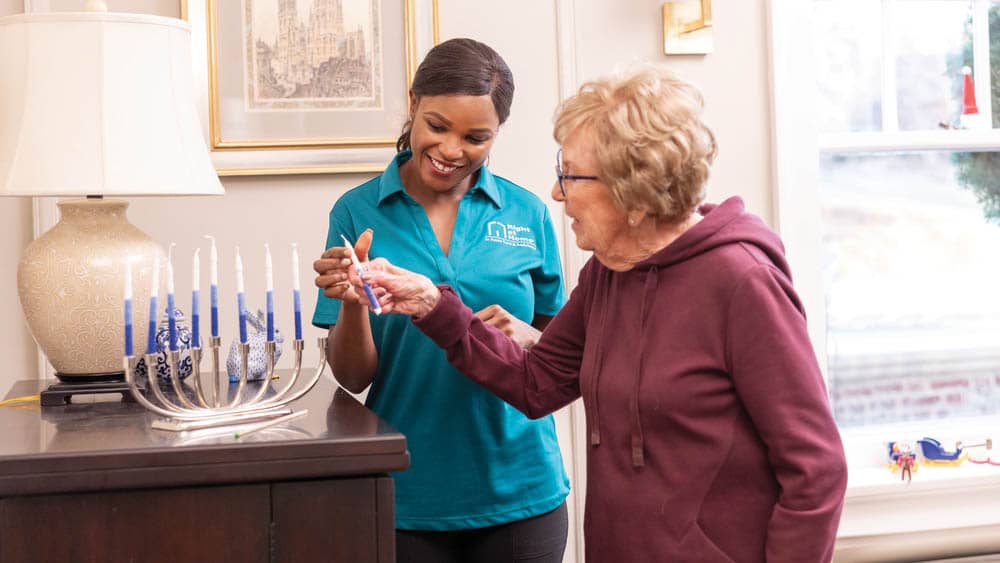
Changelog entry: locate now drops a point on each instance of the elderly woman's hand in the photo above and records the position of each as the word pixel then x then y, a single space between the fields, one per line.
pixel 398 290
pixel 334 265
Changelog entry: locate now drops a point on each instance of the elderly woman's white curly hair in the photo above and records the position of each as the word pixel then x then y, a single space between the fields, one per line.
pixel 651 147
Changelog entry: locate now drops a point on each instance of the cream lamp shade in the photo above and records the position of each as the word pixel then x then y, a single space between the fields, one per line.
pixel 95 104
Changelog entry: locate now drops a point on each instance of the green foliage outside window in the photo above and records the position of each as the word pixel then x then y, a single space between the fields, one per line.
pixel 980 171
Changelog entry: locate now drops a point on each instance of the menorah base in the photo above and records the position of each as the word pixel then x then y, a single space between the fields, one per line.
pixel 59 394
pixel 224 420
pixel 186 411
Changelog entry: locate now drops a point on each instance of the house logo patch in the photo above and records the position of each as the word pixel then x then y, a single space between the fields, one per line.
pixel 511 235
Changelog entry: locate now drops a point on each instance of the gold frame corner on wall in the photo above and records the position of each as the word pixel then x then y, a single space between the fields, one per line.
pixel 254 157
pixel 687 31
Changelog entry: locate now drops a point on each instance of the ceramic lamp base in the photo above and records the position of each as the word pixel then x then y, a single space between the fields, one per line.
pixel 71 284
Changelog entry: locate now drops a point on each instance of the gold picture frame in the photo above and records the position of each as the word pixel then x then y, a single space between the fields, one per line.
pixel 687 27
pixel 252 140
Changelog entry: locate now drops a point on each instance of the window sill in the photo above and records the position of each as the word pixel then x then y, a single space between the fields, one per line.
pixel 942 512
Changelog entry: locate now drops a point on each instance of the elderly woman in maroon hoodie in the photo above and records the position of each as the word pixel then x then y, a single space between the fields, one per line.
pixel 710 434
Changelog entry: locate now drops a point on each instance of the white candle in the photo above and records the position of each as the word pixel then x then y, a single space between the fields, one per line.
pixel 268 269
pixel 213 263
pixel 154 291
pixel 128 279
pixel 196 270
pixel 239 272
pixel 295 267
pixel 170 268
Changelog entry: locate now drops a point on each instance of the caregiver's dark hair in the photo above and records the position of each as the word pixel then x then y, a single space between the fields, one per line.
pixel 462 67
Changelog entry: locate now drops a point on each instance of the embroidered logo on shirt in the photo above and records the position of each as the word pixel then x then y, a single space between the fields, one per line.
pixel 511 235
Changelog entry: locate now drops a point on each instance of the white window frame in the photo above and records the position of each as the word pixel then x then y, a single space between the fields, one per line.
pixel 944 511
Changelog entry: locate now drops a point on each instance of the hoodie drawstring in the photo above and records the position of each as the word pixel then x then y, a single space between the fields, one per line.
pixel 595 425
pixel 648 295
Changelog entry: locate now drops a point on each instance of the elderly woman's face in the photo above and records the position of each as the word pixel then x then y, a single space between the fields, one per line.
pixel 599 226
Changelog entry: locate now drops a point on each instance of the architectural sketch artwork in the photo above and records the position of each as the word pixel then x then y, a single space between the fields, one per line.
pixel 312 55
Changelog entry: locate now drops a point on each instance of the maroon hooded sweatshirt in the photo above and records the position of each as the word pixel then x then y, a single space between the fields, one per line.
pixel 710 435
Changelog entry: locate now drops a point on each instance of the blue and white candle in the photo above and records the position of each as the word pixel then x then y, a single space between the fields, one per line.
pixel 195 298
pixel 296 296
pixel 153 291
pixel 128 309
pixel 213 272
pixel 373 302
pixel 241 301
pixel 171 320
pixel 269 287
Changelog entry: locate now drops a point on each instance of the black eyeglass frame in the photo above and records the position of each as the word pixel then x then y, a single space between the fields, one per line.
pixel 563 177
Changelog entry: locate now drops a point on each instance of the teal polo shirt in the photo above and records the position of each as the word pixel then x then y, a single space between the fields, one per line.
pixel 475 461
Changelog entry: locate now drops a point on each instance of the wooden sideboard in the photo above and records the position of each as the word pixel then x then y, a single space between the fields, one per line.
pixel 92 481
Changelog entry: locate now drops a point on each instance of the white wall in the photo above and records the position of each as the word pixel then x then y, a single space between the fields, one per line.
pixel 733 79
pixel 16 344
pixel 19 357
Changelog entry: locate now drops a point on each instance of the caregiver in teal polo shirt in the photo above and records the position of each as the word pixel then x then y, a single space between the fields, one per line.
pixel 475 460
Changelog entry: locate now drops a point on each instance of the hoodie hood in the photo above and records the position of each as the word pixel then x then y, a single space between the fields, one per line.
pixel 722 224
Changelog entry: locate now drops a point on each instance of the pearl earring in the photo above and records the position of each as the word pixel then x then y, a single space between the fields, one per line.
pixel 631 221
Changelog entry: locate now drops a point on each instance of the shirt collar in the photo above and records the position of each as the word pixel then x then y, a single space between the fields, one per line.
pixel 391 183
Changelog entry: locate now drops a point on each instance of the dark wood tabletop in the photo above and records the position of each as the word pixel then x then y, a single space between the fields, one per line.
pixel 95 444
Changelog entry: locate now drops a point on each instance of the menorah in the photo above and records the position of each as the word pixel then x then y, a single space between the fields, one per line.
pixel 197 409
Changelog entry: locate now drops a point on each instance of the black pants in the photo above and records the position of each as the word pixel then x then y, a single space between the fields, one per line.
pixel 540 539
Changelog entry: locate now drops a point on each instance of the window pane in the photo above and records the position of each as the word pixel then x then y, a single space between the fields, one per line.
pixel 848 51
pixel 932 41
pixel 994 18
pixel 911 275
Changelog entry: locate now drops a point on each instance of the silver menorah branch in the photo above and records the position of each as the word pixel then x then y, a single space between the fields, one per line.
pixel 199 411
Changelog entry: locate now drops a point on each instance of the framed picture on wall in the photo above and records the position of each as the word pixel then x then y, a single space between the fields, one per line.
pixel 687 27
pixel 309 86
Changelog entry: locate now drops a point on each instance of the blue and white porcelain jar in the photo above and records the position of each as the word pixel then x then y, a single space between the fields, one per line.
pixel 185 365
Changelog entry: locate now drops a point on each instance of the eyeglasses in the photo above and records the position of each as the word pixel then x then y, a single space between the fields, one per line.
pixel 563 177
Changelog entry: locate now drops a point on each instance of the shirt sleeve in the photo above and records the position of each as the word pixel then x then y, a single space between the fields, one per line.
pixel 779 382
pixel 327 310
pixel 536 382
pixel 547 278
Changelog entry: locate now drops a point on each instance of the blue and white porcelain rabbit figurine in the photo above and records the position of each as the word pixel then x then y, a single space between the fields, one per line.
pixel 256 359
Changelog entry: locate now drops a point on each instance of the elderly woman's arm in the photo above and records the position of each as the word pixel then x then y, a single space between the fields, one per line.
pixel 536 382
pixel 779 382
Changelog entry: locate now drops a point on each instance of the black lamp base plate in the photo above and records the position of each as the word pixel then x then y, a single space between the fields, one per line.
pixel 59 394
pixel 91 377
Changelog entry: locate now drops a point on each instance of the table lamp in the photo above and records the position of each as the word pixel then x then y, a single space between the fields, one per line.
pixel 95 104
